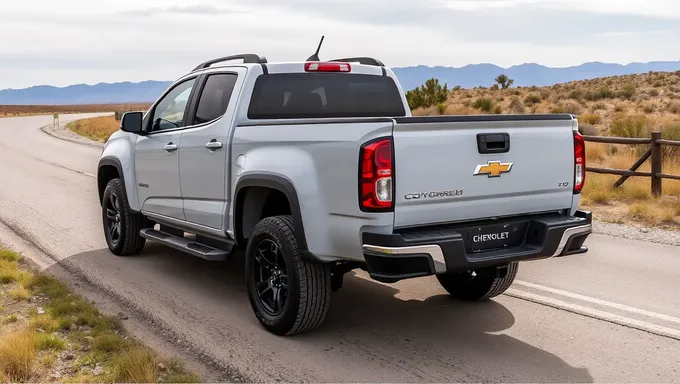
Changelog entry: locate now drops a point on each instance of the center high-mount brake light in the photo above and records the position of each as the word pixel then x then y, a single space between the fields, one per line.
pixel 376 167
pixel 579 162
pixel 327 67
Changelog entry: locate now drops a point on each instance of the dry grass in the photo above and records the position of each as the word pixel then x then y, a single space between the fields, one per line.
pixel 56 335
pixel 633 201
pixel 628 106
pixel 30 110
pixel 96 128
pixel 18 351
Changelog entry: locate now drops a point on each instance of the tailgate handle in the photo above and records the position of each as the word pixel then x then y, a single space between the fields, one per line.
pixel 493 142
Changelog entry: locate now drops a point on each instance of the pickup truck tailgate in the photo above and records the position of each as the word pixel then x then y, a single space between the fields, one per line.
pixel 455 168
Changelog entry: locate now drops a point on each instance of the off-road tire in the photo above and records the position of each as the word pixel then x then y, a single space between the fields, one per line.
pixel 481 287
pixel 129 241
pixel 309 284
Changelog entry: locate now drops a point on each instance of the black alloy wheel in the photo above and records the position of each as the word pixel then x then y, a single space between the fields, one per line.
pixel 271 277
pixel 112 207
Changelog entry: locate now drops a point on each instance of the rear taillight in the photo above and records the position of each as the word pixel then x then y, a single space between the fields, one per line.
pixel 315 66
pixel 579 162
pixel 376 167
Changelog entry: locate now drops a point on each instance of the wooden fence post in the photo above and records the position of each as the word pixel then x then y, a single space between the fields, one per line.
pixel 656 164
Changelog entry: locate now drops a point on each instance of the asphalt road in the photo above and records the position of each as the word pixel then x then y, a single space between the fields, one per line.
pixel 611 315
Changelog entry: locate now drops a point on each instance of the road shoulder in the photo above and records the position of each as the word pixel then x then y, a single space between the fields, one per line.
pixel 166 344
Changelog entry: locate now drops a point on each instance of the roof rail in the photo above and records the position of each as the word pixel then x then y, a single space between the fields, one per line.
pixel 248 58
pixel 363 60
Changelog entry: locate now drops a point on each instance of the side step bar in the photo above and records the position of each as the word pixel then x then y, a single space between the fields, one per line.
pixel 186 245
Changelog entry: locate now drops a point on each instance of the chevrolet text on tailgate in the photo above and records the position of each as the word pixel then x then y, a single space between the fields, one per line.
pixel 317 168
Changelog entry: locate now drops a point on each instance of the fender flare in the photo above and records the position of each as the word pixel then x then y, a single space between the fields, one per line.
pixel 108 161
pixel 283 185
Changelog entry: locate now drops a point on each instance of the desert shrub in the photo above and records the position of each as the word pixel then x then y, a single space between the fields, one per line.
pixel 497 109
pixel 532 99
pixel 657 84
pixel 559 108
pixel 516 105
pixel 573 108
pixel 653 92
pixel 587 129
pixel 576 94
pixel 545 94
pixel 590 118
pixel 484 104
pixel 619 107
pixel 627 92
pixel 629 126
pixel 648 107
pixel 495 87
pixel 441 108
pixel 674 107
pixel 670 131
pixel 429 94
pixel 461 110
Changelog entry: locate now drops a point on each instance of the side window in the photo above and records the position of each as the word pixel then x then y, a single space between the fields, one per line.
pixel 169 112
pixel 214 99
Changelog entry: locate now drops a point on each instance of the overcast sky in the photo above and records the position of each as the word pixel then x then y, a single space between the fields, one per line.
pixel 76 41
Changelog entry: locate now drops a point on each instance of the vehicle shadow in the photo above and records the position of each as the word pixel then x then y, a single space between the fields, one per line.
pixel 435 338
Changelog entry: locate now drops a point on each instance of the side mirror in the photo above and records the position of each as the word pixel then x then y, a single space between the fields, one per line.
pixel 132 122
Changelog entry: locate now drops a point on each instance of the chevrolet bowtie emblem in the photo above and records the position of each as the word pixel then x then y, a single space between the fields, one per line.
pixel 493 169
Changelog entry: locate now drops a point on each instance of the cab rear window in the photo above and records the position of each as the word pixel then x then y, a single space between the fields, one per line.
pixel 324 95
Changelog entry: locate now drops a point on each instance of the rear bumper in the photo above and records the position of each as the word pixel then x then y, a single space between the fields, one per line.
pixel 437 250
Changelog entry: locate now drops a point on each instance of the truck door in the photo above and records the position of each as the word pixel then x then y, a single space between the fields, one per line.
pixel 204 151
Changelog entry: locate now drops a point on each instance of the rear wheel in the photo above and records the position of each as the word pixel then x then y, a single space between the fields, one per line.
pixel 287 294
pixel 121 224
pixel 480 285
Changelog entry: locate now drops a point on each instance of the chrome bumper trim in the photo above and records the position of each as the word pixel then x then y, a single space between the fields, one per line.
pixel 569 233
pixel 434 251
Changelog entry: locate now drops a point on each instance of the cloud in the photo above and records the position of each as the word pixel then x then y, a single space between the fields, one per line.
pixel 198 9
pixel 74 41
pixel 528 21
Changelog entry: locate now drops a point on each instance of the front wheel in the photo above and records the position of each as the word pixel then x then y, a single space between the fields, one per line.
pixel 481 285
pixel 287 294
pixel 121 224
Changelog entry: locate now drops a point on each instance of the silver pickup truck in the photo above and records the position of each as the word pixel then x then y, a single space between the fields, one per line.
pixel 317 168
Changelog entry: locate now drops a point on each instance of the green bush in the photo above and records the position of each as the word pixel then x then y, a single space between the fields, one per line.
pixel 484 104
pixel 629 126
pixel 427 95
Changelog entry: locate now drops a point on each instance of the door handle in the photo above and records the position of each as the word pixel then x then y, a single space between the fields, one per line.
pixel 170 147
pixel 213 144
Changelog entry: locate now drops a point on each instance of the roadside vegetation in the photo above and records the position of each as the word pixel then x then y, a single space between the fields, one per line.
pixel 96 128
pixel 622 106
pixel 49 334
pixel 31 110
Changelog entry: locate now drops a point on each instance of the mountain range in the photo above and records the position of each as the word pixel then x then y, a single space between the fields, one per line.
pixel 468 76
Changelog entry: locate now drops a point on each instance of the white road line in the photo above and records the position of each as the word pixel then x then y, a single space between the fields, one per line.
pixel 596 314
pixel 603 303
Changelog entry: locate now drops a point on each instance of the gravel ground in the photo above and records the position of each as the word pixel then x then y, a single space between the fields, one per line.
pixel 627 231
pixel 654 235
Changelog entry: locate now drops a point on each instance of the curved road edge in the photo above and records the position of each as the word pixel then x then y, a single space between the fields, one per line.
pixel 150 329
pixel 63 133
